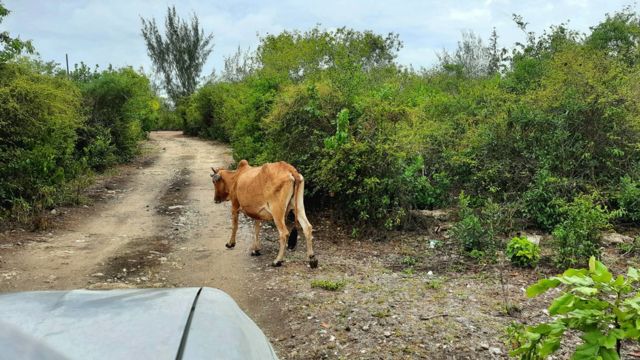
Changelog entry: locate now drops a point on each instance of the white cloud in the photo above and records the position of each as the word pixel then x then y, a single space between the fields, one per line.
pixel 470 15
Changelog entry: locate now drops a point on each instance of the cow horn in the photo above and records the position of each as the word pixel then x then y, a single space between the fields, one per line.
pixel 215 171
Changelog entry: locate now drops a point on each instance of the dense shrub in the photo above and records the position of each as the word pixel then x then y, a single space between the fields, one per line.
pixel 628 198
pixel 122 102
pixel 578 235
pixel 54 129
pixel 300 120
pixel 543 199
pixel 522 252
pixel 39 115
pixel 471 231
pixel 213 110
pixel 168 118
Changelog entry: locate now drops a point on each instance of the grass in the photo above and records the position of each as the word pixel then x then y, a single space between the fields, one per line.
pixel 329 284
pixel 435 284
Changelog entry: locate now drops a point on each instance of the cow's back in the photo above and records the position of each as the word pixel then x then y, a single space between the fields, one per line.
pixel 257 186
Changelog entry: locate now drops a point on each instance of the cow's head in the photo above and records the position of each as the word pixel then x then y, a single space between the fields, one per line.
pixel 222 193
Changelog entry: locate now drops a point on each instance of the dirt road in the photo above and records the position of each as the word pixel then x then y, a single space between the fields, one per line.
pixel 158 227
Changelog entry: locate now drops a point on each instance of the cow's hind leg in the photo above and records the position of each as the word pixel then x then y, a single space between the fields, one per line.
pixel 293 233
pixel 301 216
pixel 284 233
pixel 255 249
pixel 279 214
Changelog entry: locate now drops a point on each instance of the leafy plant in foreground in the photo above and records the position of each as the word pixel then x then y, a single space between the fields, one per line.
pixel 522 252
pixel 604 309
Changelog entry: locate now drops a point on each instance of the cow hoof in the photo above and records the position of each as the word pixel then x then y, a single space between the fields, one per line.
pixel 230 246
pixel 255 253
pixel 276 263
pixel 313 262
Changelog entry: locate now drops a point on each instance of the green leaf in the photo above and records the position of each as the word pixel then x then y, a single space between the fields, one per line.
pixel 586 351
pixel 593 337
pixel 609 341
pixel 579 280
pixel 589 291
pixel 633 274
pixel 599 272
pixel 549 346
pixel 619 281
pixel 592 264
pixel 562 305
pixel 575 272
pixel 609 354
pixel 542 286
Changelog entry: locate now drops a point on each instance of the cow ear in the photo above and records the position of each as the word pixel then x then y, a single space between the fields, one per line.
pixel 215 177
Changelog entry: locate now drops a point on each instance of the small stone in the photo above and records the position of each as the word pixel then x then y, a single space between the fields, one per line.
pixel 54 212
pixel 365 327
pixel 495 351
pixel 387 333
pixel 484 346
pixel 98 274
pixel 615 238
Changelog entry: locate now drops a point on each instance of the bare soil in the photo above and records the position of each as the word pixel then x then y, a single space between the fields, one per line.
pixel 409 296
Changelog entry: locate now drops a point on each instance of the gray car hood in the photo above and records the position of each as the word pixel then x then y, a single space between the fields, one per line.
pixel 188 323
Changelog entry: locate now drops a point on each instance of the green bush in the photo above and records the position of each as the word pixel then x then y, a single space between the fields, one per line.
pixel 474 237
pixel 168 119
pixel 628 198
pixel 578 235
pixel 302 117
pixel 523 253
pixel 604 310
pixel 54 130
pixel 122 102
pixel 212 111
pixel 96 147
pixel 544 198
pixel 39 115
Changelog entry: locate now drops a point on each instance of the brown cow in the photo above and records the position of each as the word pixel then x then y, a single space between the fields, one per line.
pixel 267 192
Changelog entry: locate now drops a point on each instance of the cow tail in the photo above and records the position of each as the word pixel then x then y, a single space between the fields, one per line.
pixel 298 184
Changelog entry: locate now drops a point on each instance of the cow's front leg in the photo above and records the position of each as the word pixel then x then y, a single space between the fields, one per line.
pixel 234 228
pixel 255 249
pixel 284 234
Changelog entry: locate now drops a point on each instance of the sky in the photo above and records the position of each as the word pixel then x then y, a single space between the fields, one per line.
pixel 108 32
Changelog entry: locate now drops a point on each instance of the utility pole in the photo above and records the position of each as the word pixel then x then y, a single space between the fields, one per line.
pixel 66 56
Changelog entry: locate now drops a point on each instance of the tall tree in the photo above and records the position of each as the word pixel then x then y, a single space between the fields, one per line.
pixel 471 58
pixel 238 66
pixel 11 47
pixel 177 57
